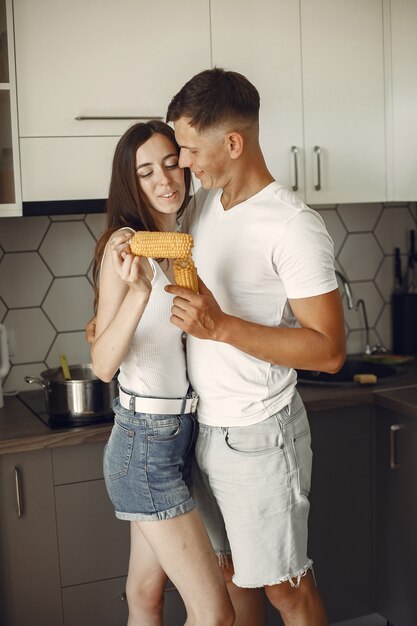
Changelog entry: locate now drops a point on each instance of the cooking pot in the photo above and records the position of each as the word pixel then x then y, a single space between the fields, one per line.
pixel 83 396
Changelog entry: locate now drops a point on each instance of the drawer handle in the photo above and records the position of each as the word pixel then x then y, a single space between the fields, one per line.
pixel 19 496
pixel 82 118
pixel 393 462
pixel 317 150
pixel 294 151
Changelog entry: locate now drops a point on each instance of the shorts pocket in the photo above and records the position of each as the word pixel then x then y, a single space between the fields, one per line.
pixel 256 440
pixel 303 459
pixel 165 428
pixel 118 452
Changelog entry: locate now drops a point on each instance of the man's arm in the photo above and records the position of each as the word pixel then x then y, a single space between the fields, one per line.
pixel 318 344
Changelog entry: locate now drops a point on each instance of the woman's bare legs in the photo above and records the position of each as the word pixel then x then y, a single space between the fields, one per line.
pixel 183 549
pixel 145 582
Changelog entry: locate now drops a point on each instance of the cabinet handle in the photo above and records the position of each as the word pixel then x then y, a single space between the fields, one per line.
pixel 317 186
pixel 19 497
pixel 81 118
pixel 394 428
pixel 294 151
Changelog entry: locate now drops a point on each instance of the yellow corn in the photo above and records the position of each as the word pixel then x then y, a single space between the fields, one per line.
pixel 161 245
pixel 185 273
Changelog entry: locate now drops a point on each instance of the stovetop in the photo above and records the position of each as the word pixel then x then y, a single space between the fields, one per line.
pixel 35 401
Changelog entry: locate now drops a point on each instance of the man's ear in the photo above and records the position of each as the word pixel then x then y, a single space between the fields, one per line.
pixel 235 143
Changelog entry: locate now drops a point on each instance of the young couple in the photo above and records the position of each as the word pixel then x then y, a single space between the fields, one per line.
pixel 268 303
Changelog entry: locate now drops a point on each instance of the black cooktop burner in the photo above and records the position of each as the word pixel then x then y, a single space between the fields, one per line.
pixel 35 401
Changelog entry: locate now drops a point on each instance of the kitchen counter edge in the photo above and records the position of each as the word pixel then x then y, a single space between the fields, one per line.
pixel 22 431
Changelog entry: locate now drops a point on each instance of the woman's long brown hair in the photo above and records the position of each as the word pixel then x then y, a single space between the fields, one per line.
pixel 126 204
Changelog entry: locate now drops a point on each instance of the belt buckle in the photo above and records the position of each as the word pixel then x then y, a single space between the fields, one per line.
pixel 194 402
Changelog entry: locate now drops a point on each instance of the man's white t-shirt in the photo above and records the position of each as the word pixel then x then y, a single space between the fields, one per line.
pixel 253 257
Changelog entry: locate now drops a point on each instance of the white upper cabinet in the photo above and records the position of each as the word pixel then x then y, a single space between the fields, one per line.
pixel 103 58
pixel 100 59
pixel 319 68
pixel 402 99
pixel 261 39
pixel 10 200
pixel 344 100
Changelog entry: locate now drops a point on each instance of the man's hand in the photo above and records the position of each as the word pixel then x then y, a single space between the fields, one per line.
pixel 197 314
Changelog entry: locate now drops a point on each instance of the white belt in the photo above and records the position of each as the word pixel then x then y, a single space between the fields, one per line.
pixel 158 406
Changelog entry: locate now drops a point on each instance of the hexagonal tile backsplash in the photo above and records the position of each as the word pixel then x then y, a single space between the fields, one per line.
pixel 46 295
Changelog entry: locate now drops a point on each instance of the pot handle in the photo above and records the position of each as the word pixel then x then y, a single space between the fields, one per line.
pixel 35 379
pixel 4 352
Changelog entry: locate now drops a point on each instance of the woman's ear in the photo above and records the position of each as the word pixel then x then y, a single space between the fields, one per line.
pixel 235 143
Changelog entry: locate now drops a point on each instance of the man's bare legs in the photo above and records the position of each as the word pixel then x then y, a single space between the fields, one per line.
pixel 249 604
pixel 298 606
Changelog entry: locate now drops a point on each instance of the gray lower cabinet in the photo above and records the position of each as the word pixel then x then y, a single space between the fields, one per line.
pixel 342 510
pixel 99 602
pixel 94 545
pixel 174 609
pixel 396 574
pixel 63 553
pixel 30 586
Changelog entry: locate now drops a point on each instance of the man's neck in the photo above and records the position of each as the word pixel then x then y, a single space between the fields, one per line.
pixel 244 187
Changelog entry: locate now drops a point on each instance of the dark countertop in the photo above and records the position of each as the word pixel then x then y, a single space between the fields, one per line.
pixel 320 398
pixel 21 430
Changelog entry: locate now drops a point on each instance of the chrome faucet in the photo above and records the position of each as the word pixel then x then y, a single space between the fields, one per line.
pixel 347 289
pixel 359 305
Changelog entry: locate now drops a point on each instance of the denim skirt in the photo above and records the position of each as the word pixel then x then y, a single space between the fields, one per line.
pixel 147 464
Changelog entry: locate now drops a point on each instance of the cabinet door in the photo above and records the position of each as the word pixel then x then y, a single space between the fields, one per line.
pixel 10 199
pixel 344 100
pixel 174 609
pixel 402 131
pixel 104 58
pixel 261 39
pixel 105 603
pixel 396 517
pixel 30 586
pixel 93 543
pixel 69 168
pixel 342 512
pixel 102 603
pixel 109 61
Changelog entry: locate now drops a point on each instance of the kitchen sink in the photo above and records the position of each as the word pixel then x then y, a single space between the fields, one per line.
pixel 345 375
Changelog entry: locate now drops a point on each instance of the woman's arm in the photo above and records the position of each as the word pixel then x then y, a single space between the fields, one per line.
pixel 125 287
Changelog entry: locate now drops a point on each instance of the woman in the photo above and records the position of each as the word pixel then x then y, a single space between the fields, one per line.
pixel 148 455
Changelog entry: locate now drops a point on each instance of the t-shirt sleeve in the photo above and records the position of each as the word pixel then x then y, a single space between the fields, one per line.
pixel 304 257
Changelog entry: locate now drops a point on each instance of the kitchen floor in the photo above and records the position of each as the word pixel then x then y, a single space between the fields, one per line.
pixel 365 620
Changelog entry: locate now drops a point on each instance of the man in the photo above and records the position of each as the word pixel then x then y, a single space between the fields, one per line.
pixel 268 303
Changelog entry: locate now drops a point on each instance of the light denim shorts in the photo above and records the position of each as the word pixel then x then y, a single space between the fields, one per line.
pixel 251 488
pixel 147 464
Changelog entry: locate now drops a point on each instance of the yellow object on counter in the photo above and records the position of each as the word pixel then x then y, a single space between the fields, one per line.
pixel 365 379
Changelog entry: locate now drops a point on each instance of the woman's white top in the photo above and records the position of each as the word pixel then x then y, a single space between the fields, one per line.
pixel 155 363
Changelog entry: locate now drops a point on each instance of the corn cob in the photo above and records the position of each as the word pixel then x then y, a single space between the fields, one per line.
pixel 161 245
pixel 185 273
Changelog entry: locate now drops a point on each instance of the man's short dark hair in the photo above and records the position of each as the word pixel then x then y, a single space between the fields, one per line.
pixel 214 97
